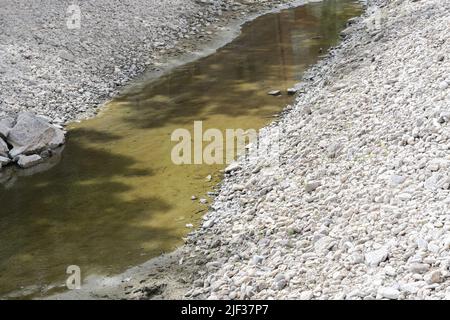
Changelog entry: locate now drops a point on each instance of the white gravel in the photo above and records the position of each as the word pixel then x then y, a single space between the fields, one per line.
pixel 355 205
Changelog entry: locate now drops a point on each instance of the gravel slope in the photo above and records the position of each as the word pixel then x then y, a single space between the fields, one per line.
pixel 65 74
pixel 355 205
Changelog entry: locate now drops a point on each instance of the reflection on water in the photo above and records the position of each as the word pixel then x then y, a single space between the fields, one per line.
pixel 115 199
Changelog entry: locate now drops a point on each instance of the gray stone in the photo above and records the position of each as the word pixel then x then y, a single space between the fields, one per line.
pixel 435 182
pixel 3 131
pixel 433 277
pixel 333 150
pixel 419 267
pixel 32 134
pixel 311 186
pixel 4 161
pixel 4 150
pixel 5 126
pixel 28 161
pixel 306 110
pixel 279 277
pixel 257 260
pixel 281 284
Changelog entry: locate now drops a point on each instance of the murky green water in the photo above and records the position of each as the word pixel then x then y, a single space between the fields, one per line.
pixel 115 199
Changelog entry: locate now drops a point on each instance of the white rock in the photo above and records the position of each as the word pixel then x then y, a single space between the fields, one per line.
pixel 433 277
pixel 257 260
pixel 208 223
pixel 419 267
pixel 396 179
pixel 390 271
pixel 374 258
pixel 274 93
pixel 405 196
pixel 389 293
pixel 443 85
pixel 324 244
pixel 311 186
pixel 306 295
pixel 292 91
pixel 411 287
pixel 233 167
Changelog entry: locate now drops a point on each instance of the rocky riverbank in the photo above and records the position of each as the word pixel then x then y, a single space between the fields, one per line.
pixel 64 62
pixel 62 67
pixel 354 206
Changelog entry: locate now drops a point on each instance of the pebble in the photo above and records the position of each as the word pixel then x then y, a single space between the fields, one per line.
pixel 389 293
pixel 404 196
pixel 306 295
pixel 274 93
pixel 374 258
pixel 311 186
pixel 443 85
pixel 397 180
pixel 291 91
pixel 419 267
pixel 433 277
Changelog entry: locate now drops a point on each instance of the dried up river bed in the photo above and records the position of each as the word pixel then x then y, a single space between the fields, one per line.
pixel 114 199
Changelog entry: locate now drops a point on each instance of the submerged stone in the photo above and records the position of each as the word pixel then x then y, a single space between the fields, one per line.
pixel 28 161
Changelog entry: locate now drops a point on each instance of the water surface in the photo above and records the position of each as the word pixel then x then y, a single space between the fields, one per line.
pixel 115 199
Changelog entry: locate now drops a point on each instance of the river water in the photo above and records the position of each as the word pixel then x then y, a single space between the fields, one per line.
pixel 114 199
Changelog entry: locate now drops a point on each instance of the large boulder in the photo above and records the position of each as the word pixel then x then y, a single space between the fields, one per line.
pixel 5 126
pixel 4 150
pixel 32 135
